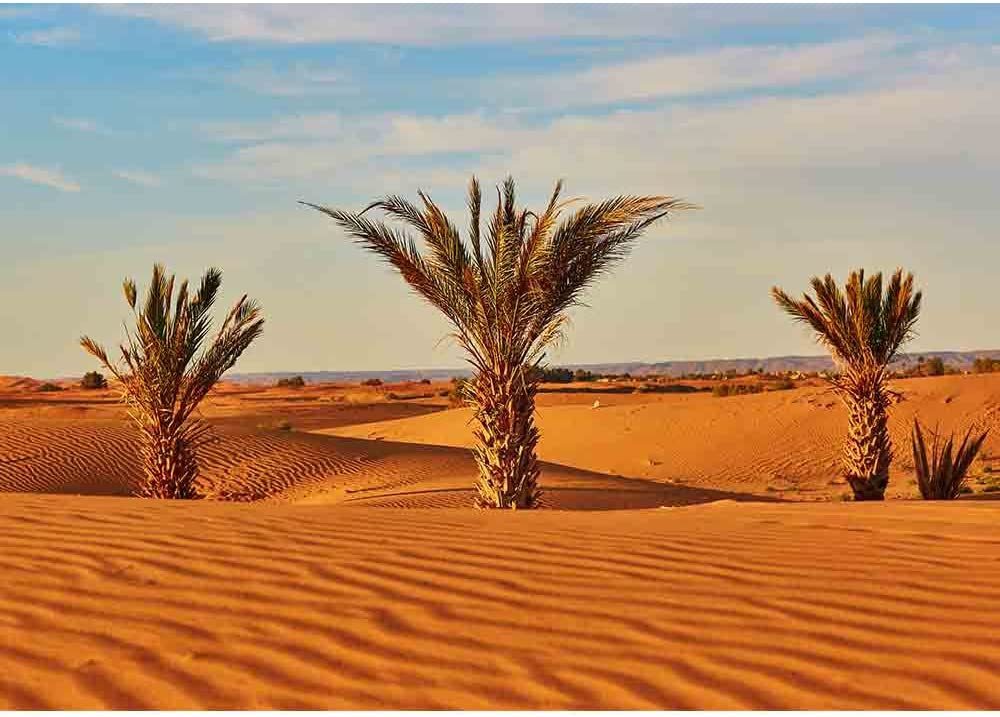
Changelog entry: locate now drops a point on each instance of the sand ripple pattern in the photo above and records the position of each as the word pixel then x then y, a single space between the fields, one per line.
pixel 101 458
pixel 123 603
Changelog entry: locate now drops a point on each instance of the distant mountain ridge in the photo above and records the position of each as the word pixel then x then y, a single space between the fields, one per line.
pixel 961 360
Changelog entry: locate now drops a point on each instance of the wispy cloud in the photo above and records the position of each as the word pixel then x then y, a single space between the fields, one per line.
pixel 712 72
pixel 48 37
pixel 80 124
pixel 136 176
pixel 8 12
pixel 443 24
pixel 300 80
pixel 40 175
pixel 304 126
pixel 945 115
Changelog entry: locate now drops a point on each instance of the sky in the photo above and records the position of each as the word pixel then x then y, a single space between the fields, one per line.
pixel 814 138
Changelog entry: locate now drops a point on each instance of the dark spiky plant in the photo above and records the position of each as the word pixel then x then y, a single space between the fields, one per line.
pixel 506 293
pixel 941 476
pixel 166 372
pixel 863 327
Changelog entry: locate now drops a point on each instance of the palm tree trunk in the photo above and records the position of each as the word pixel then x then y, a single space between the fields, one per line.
pixel 506 439
pixel 169 464
pixel 868 451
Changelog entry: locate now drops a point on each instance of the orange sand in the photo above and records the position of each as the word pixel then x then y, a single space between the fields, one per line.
pixel 335 589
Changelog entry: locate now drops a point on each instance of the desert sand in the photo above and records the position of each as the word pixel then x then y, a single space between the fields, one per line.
pixel 694 555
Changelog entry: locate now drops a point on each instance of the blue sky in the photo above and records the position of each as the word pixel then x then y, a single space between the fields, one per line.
pixel 815 139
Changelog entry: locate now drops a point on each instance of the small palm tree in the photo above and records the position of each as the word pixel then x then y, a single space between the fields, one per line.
pixel 941 476
pixel 166 373
pixel 863 328
pixel 506 295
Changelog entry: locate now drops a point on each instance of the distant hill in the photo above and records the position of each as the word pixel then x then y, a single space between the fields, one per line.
pixel 961 360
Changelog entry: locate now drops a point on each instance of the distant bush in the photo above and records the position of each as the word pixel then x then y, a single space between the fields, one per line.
pixel 92 380
pixel 934 366
pixel 49 388
pixel 392 396
pixel 544 374
pixel 581 375
pixel 283 426
pixel 372 382
pixel 293 382
pixel 985 365
pixel 783 384
pixel 425 381
pixel 722 390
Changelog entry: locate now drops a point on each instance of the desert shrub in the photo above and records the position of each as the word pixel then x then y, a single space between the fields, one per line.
pixel 581 375
pixel 292 382
pixel 372 382
pixel 985 365
pixel 49 388
pixel 783 384
pixel 425 381
pixel 93 380
pixel 934 366
pixel 392 396
pixel 545 374
pixel 735 389
pixel 283 425
pixel 941 476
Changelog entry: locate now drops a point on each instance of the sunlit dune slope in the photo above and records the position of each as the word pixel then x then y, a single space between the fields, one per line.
pixel 784 443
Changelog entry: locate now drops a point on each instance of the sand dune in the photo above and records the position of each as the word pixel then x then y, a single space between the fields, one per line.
pixel 678 572
pixel 785 443
pixel 661 449
pixel 133 604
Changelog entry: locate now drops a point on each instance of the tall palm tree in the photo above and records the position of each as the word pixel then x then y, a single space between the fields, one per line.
pixel 166 373
pixel 864 328
pixel 506 293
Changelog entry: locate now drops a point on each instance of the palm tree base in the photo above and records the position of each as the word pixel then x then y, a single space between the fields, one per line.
pixel 866 489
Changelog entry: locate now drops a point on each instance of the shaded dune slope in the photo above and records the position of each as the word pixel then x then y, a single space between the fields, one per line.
pixel 101 458
pixel 122 603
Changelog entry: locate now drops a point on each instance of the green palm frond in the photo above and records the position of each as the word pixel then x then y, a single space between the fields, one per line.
pixel 166 369
pixel 507 290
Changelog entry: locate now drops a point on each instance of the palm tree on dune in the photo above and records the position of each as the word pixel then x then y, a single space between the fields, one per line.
pixel 864 328
pixel 506 293
pixel 166 373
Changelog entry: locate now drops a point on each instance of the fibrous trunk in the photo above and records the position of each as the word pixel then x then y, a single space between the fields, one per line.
pixel 506 439
pixel 169 464
pixel 868 451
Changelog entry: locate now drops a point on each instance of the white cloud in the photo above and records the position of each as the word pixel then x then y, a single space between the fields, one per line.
pixel 135 176
pixel 945 115
pixel 15 12
pixel 304 126
pixel 49 37
pixel 710 72
pixel 79 124
pixel 442 24
pixel 300 80
pixel 40 175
